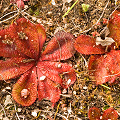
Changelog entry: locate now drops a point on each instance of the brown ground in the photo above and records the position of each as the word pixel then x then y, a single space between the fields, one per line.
pixel 76 101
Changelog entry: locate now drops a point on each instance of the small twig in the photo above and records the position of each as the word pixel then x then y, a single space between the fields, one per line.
pixel 8 14
pixel 16 112
pixel 70 9
pixel 27 18
pixel 105 86
pixel 113 11
pixel 66 95
pixel 57 110
pixel 18 12
pixel 56 114
pixel 8 18
pixel 3 110
pixel 86 64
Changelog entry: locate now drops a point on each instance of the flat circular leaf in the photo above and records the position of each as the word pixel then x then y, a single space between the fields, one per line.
pixel 94 113
pixel 110 113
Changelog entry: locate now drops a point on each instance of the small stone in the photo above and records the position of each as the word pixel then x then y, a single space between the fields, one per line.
pixel 74 92
pixel 53 2
pixel 8 88
pixel 85 87
pixel 64 91
pixel 34 18
pixel 5 36
pixel 8 100
pixel 5 118
pixel 34 114
pixel 38 21
pixel 26 38
pixel 19 109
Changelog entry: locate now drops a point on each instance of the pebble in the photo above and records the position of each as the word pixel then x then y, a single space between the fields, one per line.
pixel 34 114
pixel 8 100
pixel 5 118
pixel 19 109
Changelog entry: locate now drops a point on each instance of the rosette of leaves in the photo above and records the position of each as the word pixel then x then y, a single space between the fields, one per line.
pixel 110 113
pixel 103 65
pixel 41 74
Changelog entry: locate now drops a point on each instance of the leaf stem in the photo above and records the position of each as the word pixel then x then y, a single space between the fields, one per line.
pixel 70 9
pixel 105 86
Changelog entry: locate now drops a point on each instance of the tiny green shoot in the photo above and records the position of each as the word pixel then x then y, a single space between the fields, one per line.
pixel 105 86
pixel 85 7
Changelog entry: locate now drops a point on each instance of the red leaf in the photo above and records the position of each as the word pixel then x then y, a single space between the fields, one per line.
pixel 13 67
pixel 41 35
pixel 105 68
pixel 7 47
pixel 28 82
pixel 55 71
pixel 114 26
pixel 60 47
pixel 86 45
pixel 94 113
pixel 110 113
pixel 48 89
pixel 25 41
pixel 20 4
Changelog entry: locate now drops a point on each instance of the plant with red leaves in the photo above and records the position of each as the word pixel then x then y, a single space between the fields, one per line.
pixel 19 3
pixel 106 67
pixel 41 74
pixel 94 113
pixel 110 113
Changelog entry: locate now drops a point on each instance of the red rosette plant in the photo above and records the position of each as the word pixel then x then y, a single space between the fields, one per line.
pixel 41 73
pixel 103 65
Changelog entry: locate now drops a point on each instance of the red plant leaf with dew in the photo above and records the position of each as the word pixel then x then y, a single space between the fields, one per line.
pixel 94 113
pixel 105 68
pixel 114 26
pixel 60 47
pixel 86 44
pixel 41 74
pixel 110 113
